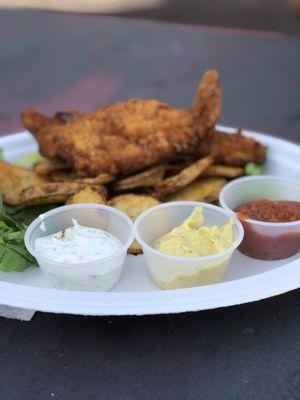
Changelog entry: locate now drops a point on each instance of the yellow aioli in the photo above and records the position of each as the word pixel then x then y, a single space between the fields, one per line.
pixel 193 239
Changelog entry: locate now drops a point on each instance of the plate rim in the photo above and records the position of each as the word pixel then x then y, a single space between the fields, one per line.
pixel 267 284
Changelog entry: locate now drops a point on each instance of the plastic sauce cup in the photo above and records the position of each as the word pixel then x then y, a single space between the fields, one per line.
pixel 172 272
pixel 100 275
pixel 264 240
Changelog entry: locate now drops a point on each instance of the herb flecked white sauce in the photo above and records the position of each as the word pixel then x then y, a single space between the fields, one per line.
pixel 77 244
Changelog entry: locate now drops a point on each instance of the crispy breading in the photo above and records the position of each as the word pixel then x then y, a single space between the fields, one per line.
pixel 86 195
pixel 231 149
pixel 13 179
pixel 127 137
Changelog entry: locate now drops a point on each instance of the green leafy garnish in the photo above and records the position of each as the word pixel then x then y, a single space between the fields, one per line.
pixel 254 169
pixel 13 253
pixel 29 159
pixel 13 223
pixel 1 154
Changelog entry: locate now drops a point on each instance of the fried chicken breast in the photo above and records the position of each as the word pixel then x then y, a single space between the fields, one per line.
pixel 231 149
pixel 128 136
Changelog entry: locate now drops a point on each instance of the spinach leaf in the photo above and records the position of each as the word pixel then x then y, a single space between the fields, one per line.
pixel 13 223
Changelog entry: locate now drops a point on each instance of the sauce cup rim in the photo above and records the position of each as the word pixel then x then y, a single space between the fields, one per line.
pixel 217 209
pixel 57 210
pixel 237 181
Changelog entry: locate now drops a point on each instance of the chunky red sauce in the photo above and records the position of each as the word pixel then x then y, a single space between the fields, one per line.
pixel 270 211
pixel 269 243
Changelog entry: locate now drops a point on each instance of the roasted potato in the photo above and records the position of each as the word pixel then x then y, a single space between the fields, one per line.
pixel 69 176
pixel 98 180
pixel 13 179
pixel 49 165
pixel 133 205
pixel 226 171
pixel 53 192
pixel 62 176
pixel 202 189
pixel 187 175
pixel 86 195
pixel 150 177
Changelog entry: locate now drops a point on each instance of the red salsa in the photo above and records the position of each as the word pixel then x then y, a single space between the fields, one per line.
pixel 270 211
pixel 269 243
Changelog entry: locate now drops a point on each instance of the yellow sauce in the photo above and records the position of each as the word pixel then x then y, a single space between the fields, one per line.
pixel 193 239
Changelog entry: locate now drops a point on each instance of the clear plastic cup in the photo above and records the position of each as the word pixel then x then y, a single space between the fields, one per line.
pixel 264 240
pixel 172 272
pixel 100 275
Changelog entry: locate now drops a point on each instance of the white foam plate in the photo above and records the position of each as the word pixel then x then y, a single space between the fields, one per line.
pixel 247 279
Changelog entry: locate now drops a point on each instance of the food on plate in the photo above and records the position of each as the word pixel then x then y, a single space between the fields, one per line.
pixel 69 176
pixel 193 239
pixel 150 177
pixel 187 244
pixel 202 189
pixel 13 253
pixel 254 169
pixel 86 195
pixel 127 137
pixel 231 149
pixel 53 192
pixel 47 165
pixel 226 171
pixel 144 149
pixel 270 210
pixel 100 179
pixel 14 179
pixel 258 243
pixel 13 223
pixel 29 160
pixel 88 255
pixel 77 244
pixel 176 182
pixel 62 176
pixel 133 205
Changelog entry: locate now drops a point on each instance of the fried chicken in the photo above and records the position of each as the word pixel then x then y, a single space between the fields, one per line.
pixel 129 136
pixel 231 149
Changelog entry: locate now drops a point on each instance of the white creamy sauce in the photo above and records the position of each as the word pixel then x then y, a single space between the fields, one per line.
pixel 77 244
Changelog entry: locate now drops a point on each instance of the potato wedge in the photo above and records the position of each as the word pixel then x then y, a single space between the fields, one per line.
pixel 98 180
pixel 86 195
pixel 175 168
pixel 187 175
pixel 133 205
pixel 69 176
pixel 202 189
pixel 49 165
pixel 150 177
pixel 54 192
pixel 13 179
pixel 62 176
pixel 226 171
pixel 135 248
